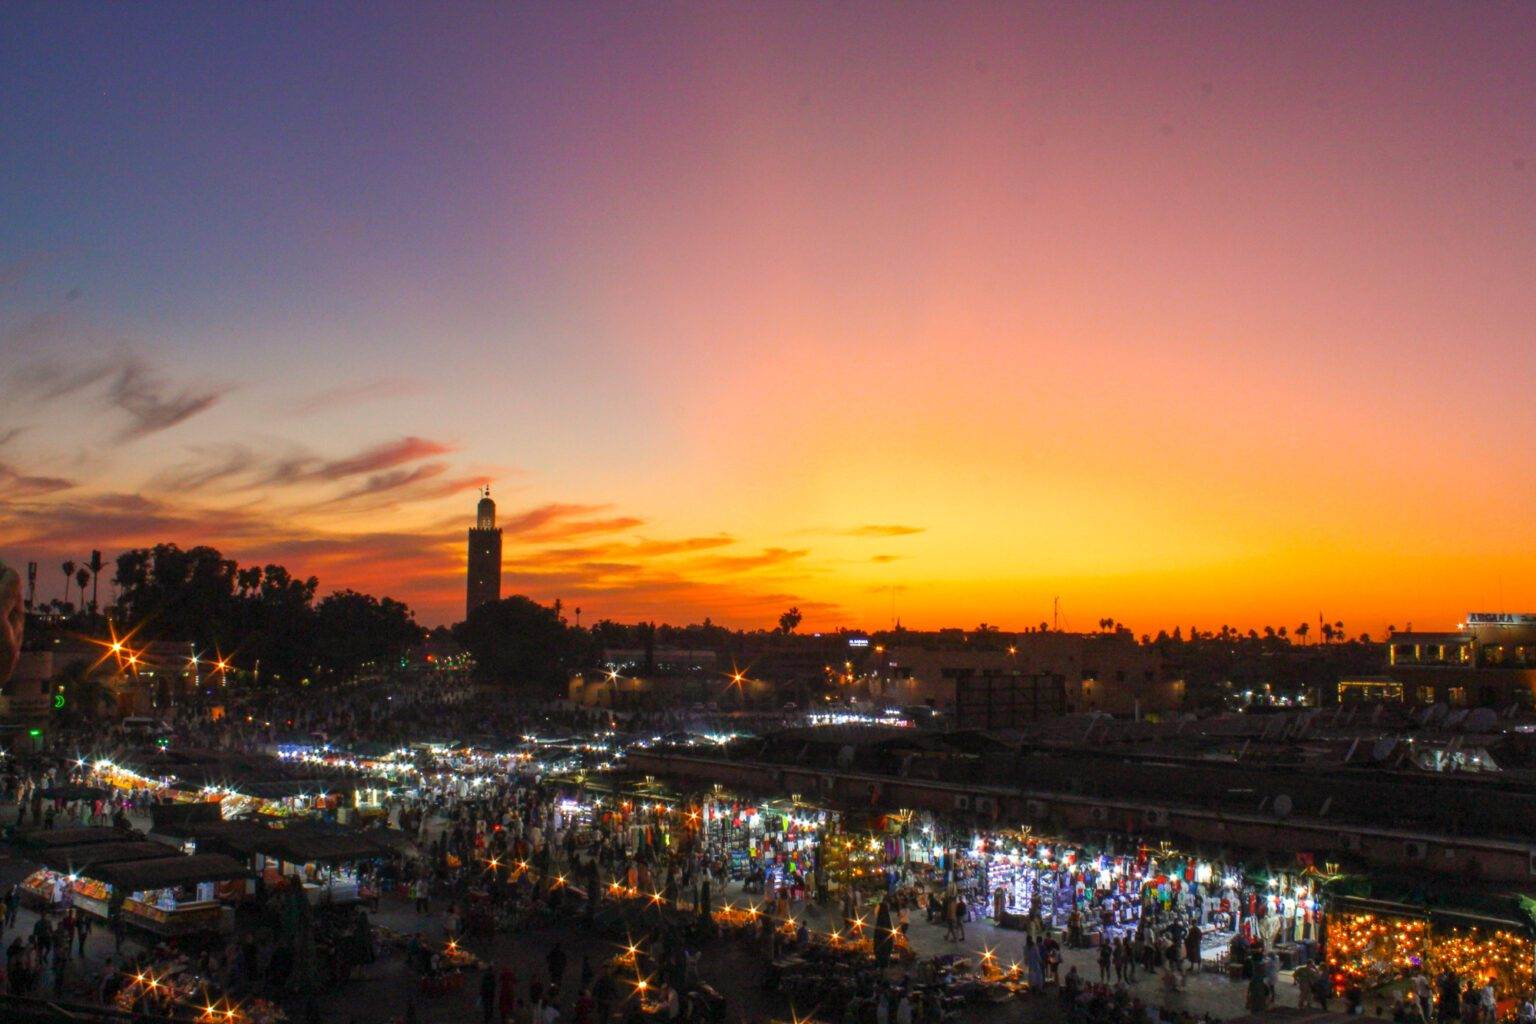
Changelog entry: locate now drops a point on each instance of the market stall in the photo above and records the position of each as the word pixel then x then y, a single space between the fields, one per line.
pixel 1374 944
pixel 67 878
pixel 324 863
pixel 171 895
pixel 774 844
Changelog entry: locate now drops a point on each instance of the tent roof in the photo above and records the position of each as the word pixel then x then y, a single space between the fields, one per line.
pixel 163 872
pixel 80 859
pixel 46 838
pixel 304 845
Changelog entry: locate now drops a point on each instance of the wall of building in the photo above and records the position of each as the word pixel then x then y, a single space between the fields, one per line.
pixel 656 692
pixel 1465 687
pixel 1100 672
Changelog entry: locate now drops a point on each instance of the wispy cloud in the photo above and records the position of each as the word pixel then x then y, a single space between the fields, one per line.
pixel 381 457
pixel 879 530
pixel 131 384
pixel 151 405
pixel 765 558
pixel 209 465
pixel 570 529
pixel 534 518
pixel 356 393
pixel 659 548
pixel 392 481
pixel 558 521
pixel 16 484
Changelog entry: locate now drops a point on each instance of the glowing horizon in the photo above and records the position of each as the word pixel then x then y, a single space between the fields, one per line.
pixel 1184 315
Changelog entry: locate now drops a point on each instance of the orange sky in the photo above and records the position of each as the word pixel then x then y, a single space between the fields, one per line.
pixel 1189 314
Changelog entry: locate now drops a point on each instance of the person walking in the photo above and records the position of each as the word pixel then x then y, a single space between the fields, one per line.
pixel 1106 959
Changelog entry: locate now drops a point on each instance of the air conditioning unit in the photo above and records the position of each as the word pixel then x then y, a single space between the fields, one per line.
pixel 828 783
pixel 1155 817
pixel 984 805
pixel 1100 815
pixel 962 803
pixel 1416 850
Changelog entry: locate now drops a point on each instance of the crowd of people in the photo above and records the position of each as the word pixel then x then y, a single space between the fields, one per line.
pixel 505 855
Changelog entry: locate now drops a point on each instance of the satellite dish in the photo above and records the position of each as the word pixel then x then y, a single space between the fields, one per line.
pixel 1481 720
pixel 1383 748
pixel 1282 806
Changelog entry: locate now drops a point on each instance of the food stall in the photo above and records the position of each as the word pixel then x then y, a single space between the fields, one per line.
pixel 66 877
pixel 48 889
pixel 171 895
pixel 323 862
pixel 322 859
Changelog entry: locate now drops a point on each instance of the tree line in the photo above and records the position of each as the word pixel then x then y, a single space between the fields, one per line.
pixel 261 619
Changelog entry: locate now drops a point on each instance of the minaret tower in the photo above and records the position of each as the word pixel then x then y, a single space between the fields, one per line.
pixel 484 584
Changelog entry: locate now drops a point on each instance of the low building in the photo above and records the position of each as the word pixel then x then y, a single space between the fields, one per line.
pixel 1060 673
pixel 1488 660
pixel 994 700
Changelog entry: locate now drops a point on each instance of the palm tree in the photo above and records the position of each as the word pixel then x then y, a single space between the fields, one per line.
pixel 248 580
pixel 69 575
pixel 82 577
pixel 1302 631
pixel 96 567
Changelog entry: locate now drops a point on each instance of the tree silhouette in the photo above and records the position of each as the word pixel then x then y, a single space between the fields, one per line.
pixel 1302 630
pixel 69 577
pixel 517 642
pixel 96 565
pixel 82 577
pixel 358 629
pixel 789 620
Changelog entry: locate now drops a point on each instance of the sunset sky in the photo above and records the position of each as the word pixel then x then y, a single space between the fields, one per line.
pixel 1184 314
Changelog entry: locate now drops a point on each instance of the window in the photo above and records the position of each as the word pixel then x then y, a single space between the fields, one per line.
pixel 1457 696
pixel 1425 695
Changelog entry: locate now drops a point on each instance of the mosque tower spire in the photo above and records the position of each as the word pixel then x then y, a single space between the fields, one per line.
pixel 483 583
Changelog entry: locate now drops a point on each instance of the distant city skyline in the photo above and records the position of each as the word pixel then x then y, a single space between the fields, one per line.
pixel 1190 314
